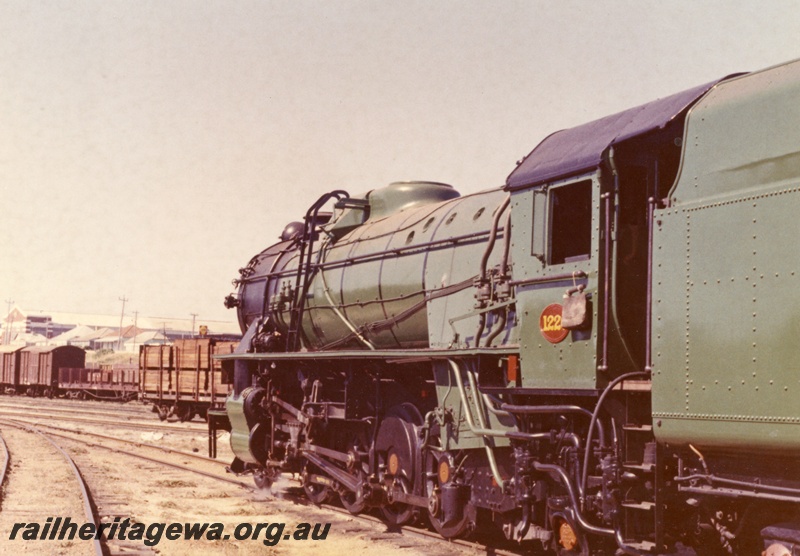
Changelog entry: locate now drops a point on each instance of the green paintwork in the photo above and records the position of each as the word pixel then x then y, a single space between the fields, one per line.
pixel 571 363
pixel 456 434
pixel 726 310
pixel 404 195
pixel 449 266
pixel 346 297
pixel 240 430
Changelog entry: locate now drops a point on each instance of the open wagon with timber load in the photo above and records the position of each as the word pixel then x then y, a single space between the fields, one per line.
pixel 184 379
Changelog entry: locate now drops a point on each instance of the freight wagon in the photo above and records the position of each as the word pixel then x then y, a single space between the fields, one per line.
pixel 59 371
pixel 118 384
pixel 40 365
pixel 9 368
pixel 184 379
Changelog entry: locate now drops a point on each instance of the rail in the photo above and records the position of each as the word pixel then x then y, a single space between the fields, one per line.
pixel 142 457
pixel 6 456
pixel 88 507
pixel 125 441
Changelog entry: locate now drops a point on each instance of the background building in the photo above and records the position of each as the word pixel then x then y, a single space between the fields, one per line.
pixel 95 332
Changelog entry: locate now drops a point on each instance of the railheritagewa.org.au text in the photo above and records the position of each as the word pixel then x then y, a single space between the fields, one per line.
pixel 63 528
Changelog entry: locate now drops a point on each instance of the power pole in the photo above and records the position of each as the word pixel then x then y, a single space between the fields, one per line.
pixel 135 329
pixel 7 328
pixel 194 316
pixel 121 316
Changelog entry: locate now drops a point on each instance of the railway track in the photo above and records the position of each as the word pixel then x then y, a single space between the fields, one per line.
pixel 101 406
pixel 140 413
pixel 65 417
pixel 23 504
pixel 75 436
pixel 4 465
pixel 99 409
pixel 415 536
pixel 370 527
pixel 107 504
pixel 136 443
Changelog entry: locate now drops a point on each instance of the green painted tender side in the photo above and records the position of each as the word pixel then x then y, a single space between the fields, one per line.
pixel 726 360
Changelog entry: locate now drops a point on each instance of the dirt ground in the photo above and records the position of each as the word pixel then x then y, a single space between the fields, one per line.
pixel 148 493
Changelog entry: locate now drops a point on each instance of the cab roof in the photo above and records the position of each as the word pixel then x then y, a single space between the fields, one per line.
pixel 579 149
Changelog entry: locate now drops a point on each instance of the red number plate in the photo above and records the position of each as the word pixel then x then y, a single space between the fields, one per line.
pixel 550 324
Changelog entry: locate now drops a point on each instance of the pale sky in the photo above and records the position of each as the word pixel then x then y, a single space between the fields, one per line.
pixel 148 149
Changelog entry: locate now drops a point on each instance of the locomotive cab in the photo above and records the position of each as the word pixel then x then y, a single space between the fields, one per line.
pixel 582 235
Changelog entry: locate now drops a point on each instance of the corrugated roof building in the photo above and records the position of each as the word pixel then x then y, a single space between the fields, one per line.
pixel 101 331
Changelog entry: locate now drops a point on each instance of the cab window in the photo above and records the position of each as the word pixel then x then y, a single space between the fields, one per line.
pixel 570 223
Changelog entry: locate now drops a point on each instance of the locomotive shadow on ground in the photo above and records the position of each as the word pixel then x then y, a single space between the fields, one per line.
pixel 283 489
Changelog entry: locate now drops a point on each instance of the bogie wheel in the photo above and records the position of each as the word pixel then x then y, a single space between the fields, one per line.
pixel 162 412
pixel 353 502
pixel 396 513
pixel 439 476
pixel 264 477
pixel 317 493
pixel 396 446
pixel 185 413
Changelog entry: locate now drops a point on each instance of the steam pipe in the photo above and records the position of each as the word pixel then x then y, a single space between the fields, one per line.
pixel 484 263
pixel 484 432
pixel 481 327
pixel 506 246
pixel 493 236
pixel 542 409
pixel 488 400
pixel 482 423
pixel 500 327
pixel 565 480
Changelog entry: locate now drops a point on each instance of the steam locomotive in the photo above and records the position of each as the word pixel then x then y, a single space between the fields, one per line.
pixel 599 356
